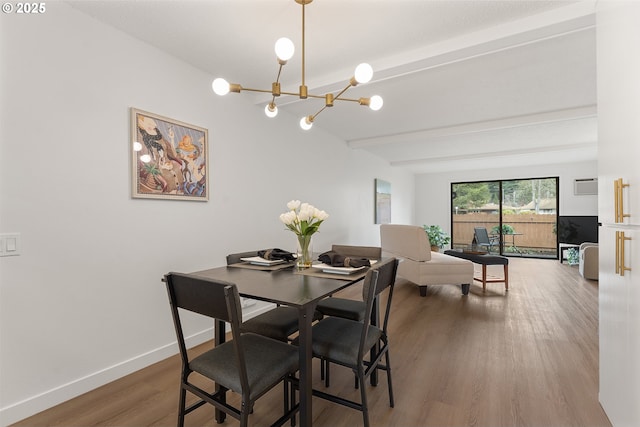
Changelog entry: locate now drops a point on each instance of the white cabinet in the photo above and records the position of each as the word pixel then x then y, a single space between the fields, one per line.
pixel 620 325
pixel 618 41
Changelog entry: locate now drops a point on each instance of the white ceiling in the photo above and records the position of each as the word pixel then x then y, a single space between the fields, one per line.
pixel 466 84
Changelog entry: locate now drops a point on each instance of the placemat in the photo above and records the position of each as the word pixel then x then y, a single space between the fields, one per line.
pixel 319 273
pixel 262 267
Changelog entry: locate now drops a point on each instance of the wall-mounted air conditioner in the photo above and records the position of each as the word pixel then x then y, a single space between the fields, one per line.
pixel 585 187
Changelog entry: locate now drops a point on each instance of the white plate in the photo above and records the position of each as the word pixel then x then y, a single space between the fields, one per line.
pixel 256 260
pixel 326 268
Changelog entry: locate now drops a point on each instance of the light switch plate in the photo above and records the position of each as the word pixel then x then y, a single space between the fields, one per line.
pixel 10 244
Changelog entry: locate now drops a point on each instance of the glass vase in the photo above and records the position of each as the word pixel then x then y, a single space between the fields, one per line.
pixel 304 252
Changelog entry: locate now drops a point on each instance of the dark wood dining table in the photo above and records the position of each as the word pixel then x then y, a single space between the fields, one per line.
pixel 300 289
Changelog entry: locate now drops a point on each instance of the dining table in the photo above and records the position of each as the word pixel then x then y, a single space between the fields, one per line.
pixel 290 286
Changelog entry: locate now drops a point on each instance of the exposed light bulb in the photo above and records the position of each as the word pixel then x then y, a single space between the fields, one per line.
pixel 284 49
pixel 305 123
pixel 375 103
pixel 271 110
pixel 363 73
pixel 220 86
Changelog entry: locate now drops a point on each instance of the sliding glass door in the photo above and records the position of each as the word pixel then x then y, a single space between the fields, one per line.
pixel 506 217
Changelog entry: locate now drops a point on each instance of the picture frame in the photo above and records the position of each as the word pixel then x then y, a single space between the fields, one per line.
pixel 168 158
pixel 382 201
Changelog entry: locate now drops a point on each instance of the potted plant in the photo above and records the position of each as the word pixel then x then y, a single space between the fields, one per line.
pixel 506 229
pixel 437 237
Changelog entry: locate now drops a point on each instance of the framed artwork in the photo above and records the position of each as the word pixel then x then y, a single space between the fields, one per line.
pixel 383 201
pixel 169 158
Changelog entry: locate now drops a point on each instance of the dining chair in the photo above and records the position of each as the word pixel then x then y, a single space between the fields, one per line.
pixel 249 364
pixel 278 323
pixel 343 307
pixel 347 342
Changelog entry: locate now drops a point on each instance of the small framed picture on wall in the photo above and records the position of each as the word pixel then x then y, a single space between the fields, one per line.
pixel 383 201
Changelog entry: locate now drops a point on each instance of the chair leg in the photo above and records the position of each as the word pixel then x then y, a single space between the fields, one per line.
pixel 181 405
pixel 326 372
pixel 363 397
pixel 391 401
pixel 244 415
pixel 293 403
pixel 287 395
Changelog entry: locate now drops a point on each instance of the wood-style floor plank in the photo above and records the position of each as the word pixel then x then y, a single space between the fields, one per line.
pixel 526 357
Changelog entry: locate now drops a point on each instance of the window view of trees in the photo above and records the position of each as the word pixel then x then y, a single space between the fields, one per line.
pixel 525 210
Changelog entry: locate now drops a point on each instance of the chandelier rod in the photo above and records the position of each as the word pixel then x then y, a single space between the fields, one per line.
pixel 303 49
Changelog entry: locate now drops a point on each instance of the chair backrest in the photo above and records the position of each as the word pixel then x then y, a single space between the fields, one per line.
pixel 379 277
pixel 236 258
pixel 406 241
pixel 212 298
pixel 369 252
pixel 481 235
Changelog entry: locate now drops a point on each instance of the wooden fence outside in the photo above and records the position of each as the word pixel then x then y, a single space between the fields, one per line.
pixel 532 231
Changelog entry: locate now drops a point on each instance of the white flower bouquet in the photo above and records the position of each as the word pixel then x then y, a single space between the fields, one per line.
pixel 304 220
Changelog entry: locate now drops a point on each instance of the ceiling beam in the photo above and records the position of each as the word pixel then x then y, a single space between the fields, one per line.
pixel 587 111
pixel 498 154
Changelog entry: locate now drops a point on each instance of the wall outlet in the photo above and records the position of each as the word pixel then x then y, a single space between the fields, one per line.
pixel 10 244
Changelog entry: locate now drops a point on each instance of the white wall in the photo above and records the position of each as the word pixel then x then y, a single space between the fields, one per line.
pixel 84 304
pixel 433 191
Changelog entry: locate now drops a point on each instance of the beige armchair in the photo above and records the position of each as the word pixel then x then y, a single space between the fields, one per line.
pixel 588 262
pixel 410 244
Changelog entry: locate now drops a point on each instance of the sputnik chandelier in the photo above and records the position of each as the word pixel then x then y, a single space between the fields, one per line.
pixel 284 51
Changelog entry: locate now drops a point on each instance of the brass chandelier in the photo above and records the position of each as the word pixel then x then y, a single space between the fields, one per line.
pixel 284 51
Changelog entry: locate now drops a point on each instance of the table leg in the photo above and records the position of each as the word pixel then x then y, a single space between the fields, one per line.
pixel 305 319
pixel 220 337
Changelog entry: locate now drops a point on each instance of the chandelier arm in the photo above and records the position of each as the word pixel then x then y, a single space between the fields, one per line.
pixel 316 114
pixel 347 99
pixel 256 90
pixel 342 91
pixel 279 72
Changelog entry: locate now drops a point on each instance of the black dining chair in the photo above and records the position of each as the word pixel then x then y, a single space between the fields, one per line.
pixel 278 323
pixel 249 364
pixel 348 342
pixel 344 307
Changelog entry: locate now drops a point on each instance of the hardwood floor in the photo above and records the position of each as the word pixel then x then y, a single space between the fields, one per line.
pixel 528 357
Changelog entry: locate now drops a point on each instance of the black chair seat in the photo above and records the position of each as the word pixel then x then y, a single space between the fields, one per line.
pixel 278 323
pixel 345 308
pixel 267 362
pixel 344 350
